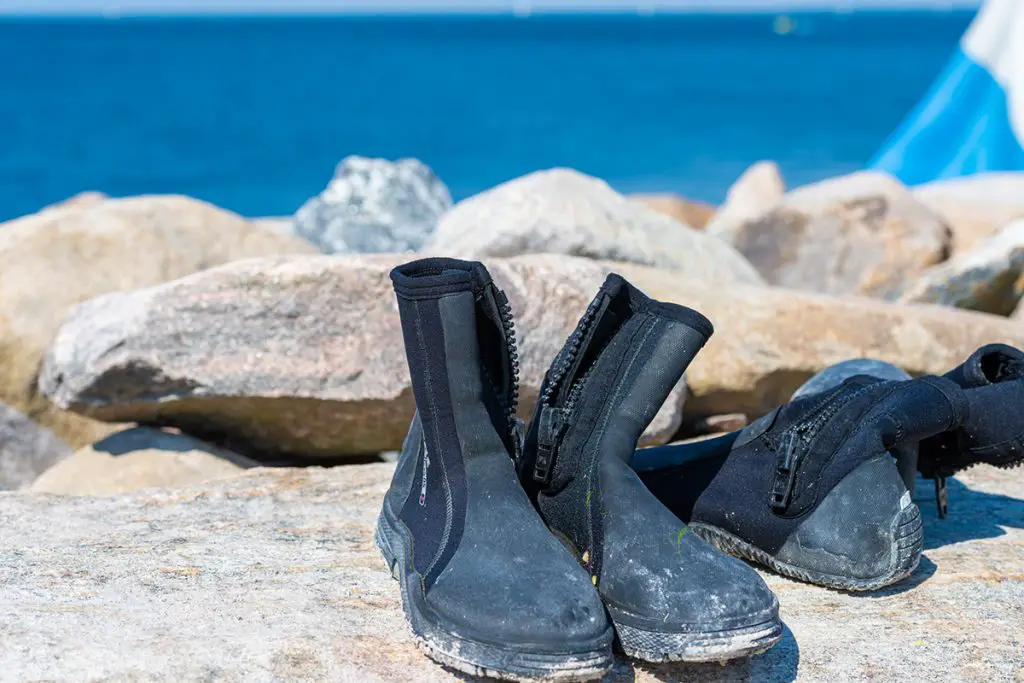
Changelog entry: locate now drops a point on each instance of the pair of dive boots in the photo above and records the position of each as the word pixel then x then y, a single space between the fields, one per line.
pixel 523 556
pixel 524 560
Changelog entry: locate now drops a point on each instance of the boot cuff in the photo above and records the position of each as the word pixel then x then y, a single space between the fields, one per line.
pixel 433 277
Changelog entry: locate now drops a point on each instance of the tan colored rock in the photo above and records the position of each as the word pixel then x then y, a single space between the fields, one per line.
pixel 298 355
pixel 756 192
pixel 687 211
pixel 986 278
pixel 977 207
pixel 136 459
pixel 768 341
pixel 82 200
pixel 273 576
pixel 565 212
pixel 859 234
pixel 58 258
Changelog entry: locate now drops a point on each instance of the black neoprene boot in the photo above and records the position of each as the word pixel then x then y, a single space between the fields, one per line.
pixel 993 381
pixel 485 586
pixel 670 595
pixel 810 490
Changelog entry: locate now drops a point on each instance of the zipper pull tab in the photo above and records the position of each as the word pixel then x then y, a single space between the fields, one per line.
pixel 785 472
pixel 941 496
pixel 553 426
pixel 518 430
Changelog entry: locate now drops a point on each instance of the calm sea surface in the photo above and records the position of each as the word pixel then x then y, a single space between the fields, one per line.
pixel 253 114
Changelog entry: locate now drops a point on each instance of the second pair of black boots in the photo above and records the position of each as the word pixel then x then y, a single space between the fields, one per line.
pixel 524 561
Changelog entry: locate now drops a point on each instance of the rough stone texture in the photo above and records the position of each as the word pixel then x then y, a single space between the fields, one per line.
pixel 768 341
pixel 139 458
pixel 53 260
pixel 977 206
pixel 860 234
pixel 985 278
pixel 687 211
pixel 273 576
pixel 374 205
pixel 26 449
pixel 294 355
pixel 756 192
pixel 81 200
pixel 564 212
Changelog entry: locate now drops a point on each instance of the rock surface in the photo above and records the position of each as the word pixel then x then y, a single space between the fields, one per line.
pixel 302 355
pixel 26 449
pixel 564 212
pixel 976 207
pixel 986 278
pixel 139 458
pixel 687 211
pixel 374 205
pixel 273 576
pixel 860 234
pixel 768 341
pixel 756 192
pixel 54 260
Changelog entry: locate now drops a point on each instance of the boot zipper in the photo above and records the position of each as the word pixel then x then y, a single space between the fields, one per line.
pixel 554 423
pixel 509 395
pixel 795 443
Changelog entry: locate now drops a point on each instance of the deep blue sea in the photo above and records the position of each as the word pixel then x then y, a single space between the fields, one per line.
pixel 253 114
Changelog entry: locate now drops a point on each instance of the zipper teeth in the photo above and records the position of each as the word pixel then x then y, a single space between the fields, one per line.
pixel 568 354
pixel 827 411
pixel 509 327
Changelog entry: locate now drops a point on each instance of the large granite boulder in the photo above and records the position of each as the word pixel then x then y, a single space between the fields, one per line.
pixel 62 256
pixel 977 207
pixel 302 356
pixel 987 277
pixel 139 458
pixel 26 449
pixel 859 234
pixel 768 340
pixel 561 211
pixel 756 192
pixel 374 205
pixel 273 576
pixel 689 212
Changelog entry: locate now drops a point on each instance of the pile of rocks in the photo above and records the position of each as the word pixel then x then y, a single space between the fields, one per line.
pixel 163 342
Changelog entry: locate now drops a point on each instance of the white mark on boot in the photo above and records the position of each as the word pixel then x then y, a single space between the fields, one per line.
pixel 423 483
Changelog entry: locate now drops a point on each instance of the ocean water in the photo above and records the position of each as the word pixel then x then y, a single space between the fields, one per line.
pixel 253 114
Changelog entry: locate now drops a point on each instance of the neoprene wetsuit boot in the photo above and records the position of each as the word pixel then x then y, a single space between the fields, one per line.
pixel 811 490
pixel 485 586
pixel 993 381
pixel 670 595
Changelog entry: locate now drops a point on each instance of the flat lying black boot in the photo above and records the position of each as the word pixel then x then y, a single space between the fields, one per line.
pixel 810 490
pixel 485 586
pixel 993 380
pixel 671 596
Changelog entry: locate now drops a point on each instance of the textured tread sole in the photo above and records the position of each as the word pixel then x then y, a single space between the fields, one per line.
pixel 658 647
pixel 483 659
pixel 907 544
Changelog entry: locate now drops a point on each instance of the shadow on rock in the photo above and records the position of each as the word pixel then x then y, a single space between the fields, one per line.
pixel 972 514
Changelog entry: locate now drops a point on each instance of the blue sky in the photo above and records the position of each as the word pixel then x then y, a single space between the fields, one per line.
pixel 341 5
pixel 171 6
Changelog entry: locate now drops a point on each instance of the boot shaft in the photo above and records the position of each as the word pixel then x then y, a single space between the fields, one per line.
pixel 603 390
pixel 460 345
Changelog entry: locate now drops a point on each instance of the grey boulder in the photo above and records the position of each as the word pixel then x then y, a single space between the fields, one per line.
pixel 374 206
pixel 26 449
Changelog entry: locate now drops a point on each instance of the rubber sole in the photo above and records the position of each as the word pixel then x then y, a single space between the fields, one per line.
pixel 658 647
pixel 907 544
pixel 470 656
